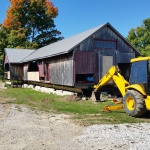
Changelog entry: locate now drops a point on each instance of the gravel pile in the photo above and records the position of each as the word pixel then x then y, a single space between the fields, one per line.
pixel 23 129
pixel 116 137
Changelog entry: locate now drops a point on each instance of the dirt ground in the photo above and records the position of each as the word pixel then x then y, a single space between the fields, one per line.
pixel 24 129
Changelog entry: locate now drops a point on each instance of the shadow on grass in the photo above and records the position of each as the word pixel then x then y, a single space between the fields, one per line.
pixel 146 115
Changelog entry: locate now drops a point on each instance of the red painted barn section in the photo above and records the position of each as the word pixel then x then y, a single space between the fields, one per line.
pixel 41 73
pixel 85 62
pixel 6 59
pixel 84 65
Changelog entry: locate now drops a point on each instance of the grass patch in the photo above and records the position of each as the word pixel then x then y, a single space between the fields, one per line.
pixel 84 112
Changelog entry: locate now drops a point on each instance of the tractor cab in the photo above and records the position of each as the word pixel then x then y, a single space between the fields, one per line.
pixel 140 72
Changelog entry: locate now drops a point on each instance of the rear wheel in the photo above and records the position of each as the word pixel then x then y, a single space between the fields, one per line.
pixel 134 103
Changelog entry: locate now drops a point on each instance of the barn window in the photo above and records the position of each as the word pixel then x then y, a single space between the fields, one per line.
pixel 105 44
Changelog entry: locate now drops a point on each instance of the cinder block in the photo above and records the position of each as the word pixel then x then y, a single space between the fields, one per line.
pixel 37 88
pixel 30 86
pixel 68 93
pixel 25 85
pixel 59 92
pixel 51 91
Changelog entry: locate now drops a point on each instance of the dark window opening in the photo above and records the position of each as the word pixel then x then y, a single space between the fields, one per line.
pixel 33 67
pixel 42 78
pixel 148 76
pixel 105 44
pixel 7 67
pixel 84 78
pixel 125 69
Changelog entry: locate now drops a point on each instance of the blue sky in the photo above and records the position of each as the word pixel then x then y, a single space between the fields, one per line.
pixel 76 16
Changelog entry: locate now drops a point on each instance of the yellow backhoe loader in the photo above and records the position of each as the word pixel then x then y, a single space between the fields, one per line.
pixel 136 91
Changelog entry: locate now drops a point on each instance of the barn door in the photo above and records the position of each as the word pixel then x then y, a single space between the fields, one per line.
pixel 104 64
pixel 47 69
pixel 107 62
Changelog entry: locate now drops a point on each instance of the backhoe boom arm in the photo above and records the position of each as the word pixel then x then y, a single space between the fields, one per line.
pixel 113 74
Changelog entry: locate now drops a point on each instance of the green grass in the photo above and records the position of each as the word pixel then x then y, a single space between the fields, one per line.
pixel 83 112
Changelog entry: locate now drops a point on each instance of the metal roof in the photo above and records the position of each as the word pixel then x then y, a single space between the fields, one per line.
pixel 57 48
pixel 16 55
pixel 60 47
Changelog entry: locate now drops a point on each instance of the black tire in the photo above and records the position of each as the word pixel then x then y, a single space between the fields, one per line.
pixel 137 107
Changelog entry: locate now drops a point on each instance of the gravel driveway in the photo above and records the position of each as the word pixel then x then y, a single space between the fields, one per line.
pixel 23 129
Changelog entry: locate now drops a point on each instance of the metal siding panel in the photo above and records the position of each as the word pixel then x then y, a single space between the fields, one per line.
pixel 105 62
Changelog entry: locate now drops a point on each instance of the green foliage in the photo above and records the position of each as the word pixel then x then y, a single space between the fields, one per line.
pixel 31 23
pixel 17 39
pixel 139 37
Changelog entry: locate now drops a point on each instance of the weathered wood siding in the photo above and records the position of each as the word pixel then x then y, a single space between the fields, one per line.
pixel 16 72
pixel 59 69
pixel 25 71
pixel 121 53
pixel 107 34
pixel 62 73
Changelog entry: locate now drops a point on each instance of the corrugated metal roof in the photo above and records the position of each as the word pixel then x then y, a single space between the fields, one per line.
pixel 57 48
pixel 16 55
pixel 60 47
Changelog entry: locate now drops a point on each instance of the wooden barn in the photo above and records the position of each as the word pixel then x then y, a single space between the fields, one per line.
pixel 78 61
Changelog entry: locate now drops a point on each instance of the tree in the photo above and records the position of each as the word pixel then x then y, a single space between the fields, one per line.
pixel 140 37
pixel 30 23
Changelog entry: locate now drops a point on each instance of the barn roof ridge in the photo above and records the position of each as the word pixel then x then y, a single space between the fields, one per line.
pixel 66 45
pixel 63 46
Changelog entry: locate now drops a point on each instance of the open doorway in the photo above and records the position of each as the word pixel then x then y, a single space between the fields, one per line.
pixel 33 67
pixel 7 71
pixel 33 71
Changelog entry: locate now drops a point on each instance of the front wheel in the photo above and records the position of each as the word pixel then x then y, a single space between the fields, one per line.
pixel 134 103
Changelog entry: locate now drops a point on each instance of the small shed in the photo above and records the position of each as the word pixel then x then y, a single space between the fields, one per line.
pixel 78 61
pixel 13 67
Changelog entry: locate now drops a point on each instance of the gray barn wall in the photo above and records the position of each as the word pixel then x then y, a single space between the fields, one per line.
pixel 25 71
pixel 122 54
pixel 61 69
pixel 16 72
pixel 108 34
